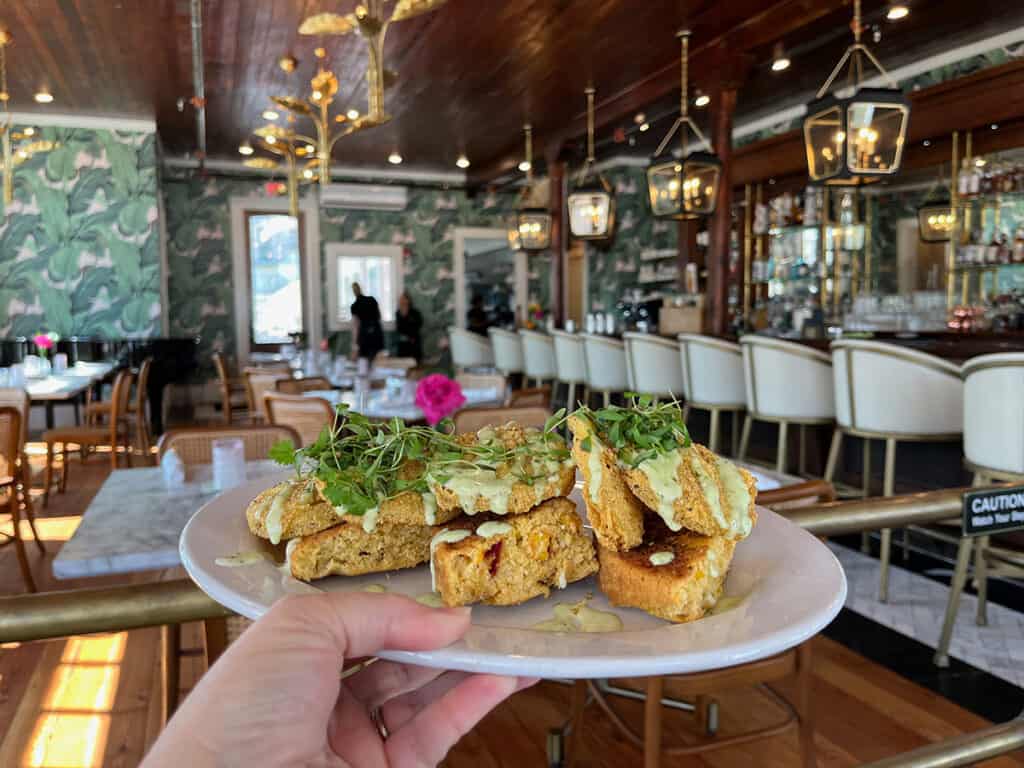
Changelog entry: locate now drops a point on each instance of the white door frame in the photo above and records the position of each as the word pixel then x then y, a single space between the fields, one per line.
pixel 311 300
pixel 461 234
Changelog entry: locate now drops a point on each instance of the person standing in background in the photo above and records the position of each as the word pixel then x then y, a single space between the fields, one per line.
pixel 476 318
pixel 408 326
pixel 367 331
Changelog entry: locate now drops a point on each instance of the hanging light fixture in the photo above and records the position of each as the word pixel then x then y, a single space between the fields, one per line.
pixel 531 229
pixel 859 138
pixel 687 187
pixel 591 205
pixel 936 217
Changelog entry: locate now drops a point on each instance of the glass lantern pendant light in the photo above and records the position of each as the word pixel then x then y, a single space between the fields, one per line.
pixel 855 139
pixel 686 188
pixel 936 217
pixel 532 226
pixel 591 205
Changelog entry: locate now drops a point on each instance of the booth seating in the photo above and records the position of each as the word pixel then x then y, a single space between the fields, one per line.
pixel 888 392
pixel 993 416
pixel 654 364
pixel 508 351
pixel 538 357
pixel 469 350
pixel 786 383
pixel 713 381
pixel 606 366
pixel 570 364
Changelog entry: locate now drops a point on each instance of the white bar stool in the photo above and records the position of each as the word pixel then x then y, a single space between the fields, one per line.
pixel 606 365
pixel 994 451
pixel 508 350
pixel 654 363
pixel 469 350
pixel 888 392
pixel 786 383
pixel 538 356
pixel 570 364
pixel 713 381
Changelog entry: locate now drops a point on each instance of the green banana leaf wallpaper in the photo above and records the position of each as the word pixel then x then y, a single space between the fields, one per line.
pixel 79 246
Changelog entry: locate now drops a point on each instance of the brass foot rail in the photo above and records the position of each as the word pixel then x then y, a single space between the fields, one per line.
pixel 968 749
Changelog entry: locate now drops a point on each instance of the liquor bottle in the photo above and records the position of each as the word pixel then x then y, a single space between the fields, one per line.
pixel 974 181
pixel 963 185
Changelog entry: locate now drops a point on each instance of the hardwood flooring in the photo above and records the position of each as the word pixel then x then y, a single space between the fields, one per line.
pixel 80 703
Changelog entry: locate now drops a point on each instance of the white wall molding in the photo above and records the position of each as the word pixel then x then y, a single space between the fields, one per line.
pixel 95 122
pixel 338 172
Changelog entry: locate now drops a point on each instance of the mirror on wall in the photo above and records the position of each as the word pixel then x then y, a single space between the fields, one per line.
pixel 490 280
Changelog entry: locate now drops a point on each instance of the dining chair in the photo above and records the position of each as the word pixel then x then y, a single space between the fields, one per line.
pixel 538 356
pixel 112 434
pixel 194 445
pixel 493 381
pixel 14 478
pixel 654 362
pixel 300 386
pixel 607 370
pixel 473 419
pixel 306 415
pixel 570 364
pixel 98 412
pixel 258 382
pixel 230 401
pixel 713 381
pixel 469 350
pixel 539 397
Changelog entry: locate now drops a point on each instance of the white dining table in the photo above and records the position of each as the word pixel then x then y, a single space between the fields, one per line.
pixel 67 386
pixel 379 404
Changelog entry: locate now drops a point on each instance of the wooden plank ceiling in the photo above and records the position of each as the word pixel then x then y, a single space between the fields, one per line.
pixel 470 74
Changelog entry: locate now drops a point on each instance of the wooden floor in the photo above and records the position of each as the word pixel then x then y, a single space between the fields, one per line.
pixel 85 702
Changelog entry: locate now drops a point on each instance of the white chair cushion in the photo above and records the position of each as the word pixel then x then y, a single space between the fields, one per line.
pixel 786 380
pixel 994 412
pixel 712 371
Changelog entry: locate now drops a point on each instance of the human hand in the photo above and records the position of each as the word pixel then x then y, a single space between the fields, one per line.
pixel 276 697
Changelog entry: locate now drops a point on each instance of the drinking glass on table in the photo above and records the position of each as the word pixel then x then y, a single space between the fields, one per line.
pixel 60 363
pixel 228 462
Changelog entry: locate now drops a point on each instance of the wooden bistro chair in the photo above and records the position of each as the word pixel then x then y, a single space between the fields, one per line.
pixel 306 415
pixel 230 400
pixel 301 386
pixel 112 434
pixel 701 687
pixel 259 381
pixel 14 481
pixel 194 445
pixel 99 412
pixel 472 419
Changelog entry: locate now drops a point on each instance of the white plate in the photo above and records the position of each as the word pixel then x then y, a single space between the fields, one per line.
pixel 790 585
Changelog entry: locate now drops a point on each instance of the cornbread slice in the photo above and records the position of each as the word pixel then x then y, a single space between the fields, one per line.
pixel 500 490
pixel 692 488
pixel 509 560
pixel 614 512
pixel 348 550
pixel 684 587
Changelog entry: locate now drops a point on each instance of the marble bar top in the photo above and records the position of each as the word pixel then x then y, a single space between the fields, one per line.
pixel 134 521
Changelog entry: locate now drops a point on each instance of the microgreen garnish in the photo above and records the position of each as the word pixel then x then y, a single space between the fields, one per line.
pixel 639 431
pixel 361 463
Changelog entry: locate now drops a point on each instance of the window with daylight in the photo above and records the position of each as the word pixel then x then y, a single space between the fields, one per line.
pixel 274 245
pixel 377 269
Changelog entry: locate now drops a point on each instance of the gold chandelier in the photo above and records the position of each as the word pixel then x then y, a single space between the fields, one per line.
pixel 17 146
pixel 296 153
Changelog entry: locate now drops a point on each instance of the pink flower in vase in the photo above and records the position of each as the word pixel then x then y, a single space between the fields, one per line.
pixel 43 341
pixel 438 397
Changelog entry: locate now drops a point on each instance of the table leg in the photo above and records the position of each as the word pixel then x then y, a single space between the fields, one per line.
pixel 78 411
pixel 171 667
pixel 49 414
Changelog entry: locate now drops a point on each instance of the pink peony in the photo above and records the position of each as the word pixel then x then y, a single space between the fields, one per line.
pixel 438 397
pixel 43 341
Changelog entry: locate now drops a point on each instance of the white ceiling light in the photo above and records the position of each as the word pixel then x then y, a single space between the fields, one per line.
pixel 644 127
pixel 245 148
pixel 43 97
pixel 780 61
pixel 897 11
pixel 394 158
pixel 269 114
pixel 462 161
pixel 524 166
pixel 702 101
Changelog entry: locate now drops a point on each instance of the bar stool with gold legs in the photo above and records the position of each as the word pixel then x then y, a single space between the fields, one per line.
pixel 994 451
pixel 888 392
pixel 713 381
pixel 508 351
pixel 786 383
pixel 469 350
pixel 607 367
pixel 654 363
pixel 570 364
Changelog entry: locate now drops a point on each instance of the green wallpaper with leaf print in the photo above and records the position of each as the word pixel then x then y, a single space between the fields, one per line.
pixel 79 246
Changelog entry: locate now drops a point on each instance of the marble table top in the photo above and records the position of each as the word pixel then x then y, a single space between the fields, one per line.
pixel 134 521
pixel 72 382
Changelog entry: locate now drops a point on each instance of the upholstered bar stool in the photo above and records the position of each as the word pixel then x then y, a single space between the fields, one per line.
pixel 570 363
pixel 654 363
pixel 538 357
pixel 713 381
pixel 508 351
pixel 606 365
pixel 786 383
pixel 469 350
pixel 888 392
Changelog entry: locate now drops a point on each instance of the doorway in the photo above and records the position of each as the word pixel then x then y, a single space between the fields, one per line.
pixel 490 278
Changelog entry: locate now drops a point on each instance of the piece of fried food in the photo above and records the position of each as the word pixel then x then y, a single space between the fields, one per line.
pixel 674 576
pixel 346 549
pixel 509 560
pixel 500 491
pixel 614 512
pixel 691 488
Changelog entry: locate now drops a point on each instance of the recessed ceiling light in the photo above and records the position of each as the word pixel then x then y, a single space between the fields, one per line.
pixel 644 127
pixel 702 101
pixel 269 114
pixel 994 126
pixel 926 143
pixel 352 114
pixel 897 11
pixel 462 161
pixel 639 118
pixel 780 60
pixel 271 139
pixel 245 148
pixel 394 158
pixel 43 97
pixel 30 131
pixel 524 166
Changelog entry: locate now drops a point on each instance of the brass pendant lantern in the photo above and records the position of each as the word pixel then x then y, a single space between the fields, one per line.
pixel 684 188
pixel 936 217
pixel 859 138
pixel 532 224
pixel 591 205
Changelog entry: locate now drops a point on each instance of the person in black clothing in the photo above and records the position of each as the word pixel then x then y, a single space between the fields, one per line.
pixel 408 323
pixel 476 319
pixel 367 331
